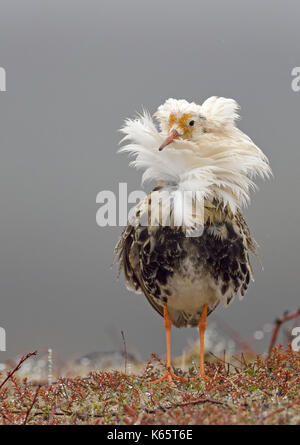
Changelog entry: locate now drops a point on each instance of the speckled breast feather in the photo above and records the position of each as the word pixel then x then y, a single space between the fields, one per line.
pixel 187 272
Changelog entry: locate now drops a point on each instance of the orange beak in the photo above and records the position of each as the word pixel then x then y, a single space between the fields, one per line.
pixel 172 136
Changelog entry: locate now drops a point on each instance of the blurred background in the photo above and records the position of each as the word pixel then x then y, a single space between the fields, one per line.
pixel 75 70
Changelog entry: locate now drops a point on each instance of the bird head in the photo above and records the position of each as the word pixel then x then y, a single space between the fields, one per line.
pixel 180 119
pixel 197 147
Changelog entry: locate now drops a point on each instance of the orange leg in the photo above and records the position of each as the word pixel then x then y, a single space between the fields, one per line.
pixel 202 328
pixel 169 375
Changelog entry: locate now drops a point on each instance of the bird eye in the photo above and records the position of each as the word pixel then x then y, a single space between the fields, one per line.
pixel 191 123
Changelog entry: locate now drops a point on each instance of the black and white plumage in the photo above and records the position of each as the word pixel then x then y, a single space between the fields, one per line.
pixel 200 150
pixel 187 272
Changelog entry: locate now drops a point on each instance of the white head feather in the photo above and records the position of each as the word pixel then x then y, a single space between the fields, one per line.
pixel 213 156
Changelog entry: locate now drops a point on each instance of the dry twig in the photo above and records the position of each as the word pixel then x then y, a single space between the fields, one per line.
pixel 125 351
pixel 32 404
pixel 11 373
pixel 279 410
pixel 285 317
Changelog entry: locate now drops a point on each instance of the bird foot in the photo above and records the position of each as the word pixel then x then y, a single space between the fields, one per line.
pixel 203 377
pixel 170 377
pixel 199 378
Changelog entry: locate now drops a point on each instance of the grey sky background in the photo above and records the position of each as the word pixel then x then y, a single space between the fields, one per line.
pixel 75 71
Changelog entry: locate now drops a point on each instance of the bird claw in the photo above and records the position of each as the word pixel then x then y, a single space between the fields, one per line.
pixel 199 378
pixel 170 377
pixel 204 377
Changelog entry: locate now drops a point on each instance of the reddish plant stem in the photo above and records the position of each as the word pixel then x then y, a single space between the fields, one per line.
pixel 11 373
pixel 285 317
pixel 32 404
pixel 276 411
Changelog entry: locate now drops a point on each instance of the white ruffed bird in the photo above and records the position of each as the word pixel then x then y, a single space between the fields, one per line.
pixel 186 268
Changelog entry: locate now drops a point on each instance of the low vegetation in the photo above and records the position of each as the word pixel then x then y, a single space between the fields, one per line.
pixel 243 391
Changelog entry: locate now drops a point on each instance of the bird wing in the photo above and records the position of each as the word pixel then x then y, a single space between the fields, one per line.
pixel 128 253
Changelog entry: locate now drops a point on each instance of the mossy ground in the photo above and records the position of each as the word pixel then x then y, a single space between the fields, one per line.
pixel 247 391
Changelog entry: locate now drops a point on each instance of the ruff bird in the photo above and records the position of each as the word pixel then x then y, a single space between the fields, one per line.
pixel 188 255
